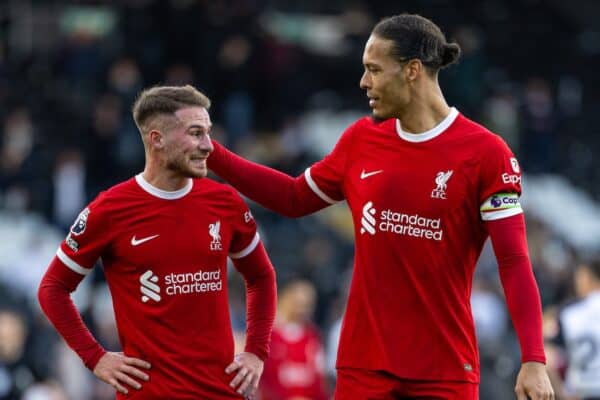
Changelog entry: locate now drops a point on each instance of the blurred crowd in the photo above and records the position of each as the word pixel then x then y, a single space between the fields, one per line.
pixel 283 78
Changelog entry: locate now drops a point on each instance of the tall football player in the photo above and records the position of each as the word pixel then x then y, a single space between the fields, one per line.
pixel 426 186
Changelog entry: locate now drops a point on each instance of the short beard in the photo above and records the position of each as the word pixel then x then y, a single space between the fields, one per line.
pixel 181 169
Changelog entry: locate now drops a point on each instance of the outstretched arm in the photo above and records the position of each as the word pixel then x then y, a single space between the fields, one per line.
pixel 261 299
pixel 524 305
pixel 270 188
pixel 55 300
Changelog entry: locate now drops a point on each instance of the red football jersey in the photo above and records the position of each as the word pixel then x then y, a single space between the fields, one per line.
pixel 295 368
pixel 165 261
pixel 418 202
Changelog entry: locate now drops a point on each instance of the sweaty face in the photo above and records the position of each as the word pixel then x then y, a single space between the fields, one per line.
pixel 188 143
pixel 383 80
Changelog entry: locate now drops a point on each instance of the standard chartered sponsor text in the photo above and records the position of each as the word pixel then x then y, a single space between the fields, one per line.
pixel 410 225
pixel 193 282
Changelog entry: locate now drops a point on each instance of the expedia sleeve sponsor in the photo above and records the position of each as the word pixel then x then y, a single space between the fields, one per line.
pixel 499 170
pixel 500 205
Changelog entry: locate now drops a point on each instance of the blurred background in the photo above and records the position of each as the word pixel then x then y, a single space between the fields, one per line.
pixel 283 77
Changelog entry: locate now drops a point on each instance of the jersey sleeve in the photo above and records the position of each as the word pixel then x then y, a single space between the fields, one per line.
pixel 87 238
pixel 500 181
pixel 326 177
pixel 245 235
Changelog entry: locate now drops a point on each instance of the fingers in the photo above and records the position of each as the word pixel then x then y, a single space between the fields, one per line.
pixel 520 392
pixel 122 377
pixel 114 383
pixel 253 387
pixel 246 380
pixel 121 372
pixel 246 386
pixel 232 367
pixel 239 377
pixel 137 362
pixel 135 372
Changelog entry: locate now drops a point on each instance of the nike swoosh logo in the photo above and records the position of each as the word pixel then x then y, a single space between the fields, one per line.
pixel 364 174
pixel 135 242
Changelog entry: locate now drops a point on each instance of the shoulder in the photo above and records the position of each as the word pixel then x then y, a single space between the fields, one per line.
pixel 367 126
pixel 118 194
pixel 369 123
pixel 217 191
pixel 479 135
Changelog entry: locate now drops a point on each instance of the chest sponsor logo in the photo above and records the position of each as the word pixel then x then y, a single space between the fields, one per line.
pixel 137 242
pixel 399 223
pixel 364 174
pixel 179 284
pixel 80 223
pixel 214 232
pixel 150 289
pixel 441 181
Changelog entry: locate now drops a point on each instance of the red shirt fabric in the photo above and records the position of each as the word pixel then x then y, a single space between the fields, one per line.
pixel 419 205
pixel 165 261
pixel 295 367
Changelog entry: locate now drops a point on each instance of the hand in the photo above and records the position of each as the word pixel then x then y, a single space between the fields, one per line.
pixel 249 368
pixel 533 382
pixel 116 369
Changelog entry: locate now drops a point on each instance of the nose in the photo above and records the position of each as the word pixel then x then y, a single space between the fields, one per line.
pixel 206 144
pixel 365 81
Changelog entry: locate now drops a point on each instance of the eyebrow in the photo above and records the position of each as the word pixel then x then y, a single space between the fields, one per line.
pixel 201 127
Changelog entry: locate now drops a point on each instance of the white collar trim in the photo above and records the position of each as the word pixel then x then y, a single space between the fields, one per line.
pixel 430 134
pixel 163 194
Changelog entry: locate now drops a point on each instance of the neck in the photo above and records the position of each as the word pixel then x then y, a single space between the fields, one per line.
pixel 162 178
pixel 427 109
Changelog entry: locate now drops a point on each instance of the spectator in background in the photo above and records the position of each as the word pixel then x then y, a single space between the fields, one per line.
pixel 15 374
pixel 295 369
pixel 580 334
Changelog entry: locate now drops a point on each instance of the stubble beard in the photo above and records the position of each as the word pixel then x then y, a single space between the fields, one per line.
pixel 180 167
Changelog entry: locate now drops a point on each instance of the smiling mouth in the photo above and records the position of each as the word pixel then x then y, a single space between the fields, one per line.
pixel 198 160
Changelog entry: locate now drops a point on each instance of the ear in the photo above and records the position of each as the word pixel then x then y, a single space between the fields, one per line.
pixel 413 69
pixel 156 139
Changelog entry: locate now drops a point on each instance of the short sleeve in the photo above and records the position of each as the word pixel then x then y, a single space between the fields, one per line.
pixel 500 181
pixel 87 238
pixel 326 177
pixel 245 236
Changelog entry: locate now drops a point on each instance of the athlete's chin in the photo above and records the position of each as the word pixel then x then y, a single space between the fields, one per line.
pixel 197 169
pixel 198 173
pixel 195 172
pixel 380 115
